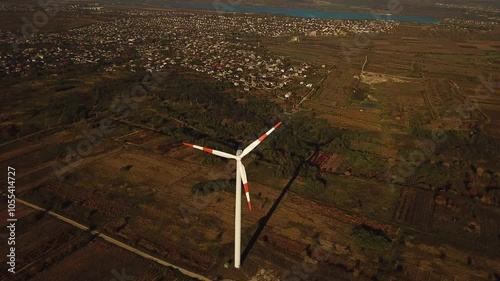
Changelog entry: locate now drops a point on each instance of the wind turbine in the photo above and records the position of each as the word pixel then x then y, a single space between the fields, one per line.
pixel 241 176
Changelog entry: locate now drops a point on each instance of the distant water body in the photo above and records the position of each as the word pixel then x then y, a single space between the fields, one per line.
pixel 305 13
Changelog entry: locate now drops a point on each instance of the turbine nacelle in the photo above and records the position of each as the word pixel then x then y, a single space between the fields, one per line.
pixel 238 155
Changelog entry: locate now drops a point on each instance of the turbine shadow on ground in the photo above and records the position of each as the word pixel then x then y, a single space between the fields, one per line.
pixel 265 219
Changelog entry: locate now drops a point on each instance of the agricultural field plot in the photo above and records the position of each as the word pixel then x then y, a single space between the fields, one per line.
pixel 435 96
pixel 74 194
pixel 346 117
pixel 426 45
pixel 138 137
pixel 387 62
pixel 336 89
pixel 401 102
pixel 319 51
pixel 378 149
pixel 467 222
pixel 489 227
pixel 363 197
pixel 465 69
pixel 21 147
pixel 106 194
pixel 462 66
pixel 149 117
pixel 199 252
pixel 416 273
pixel 38 252
pixel 329 162
pixel 133 170
pixel 422 255
pixel 448 224
pixel 99 260
pixel 493 113
pixel 39 152
pixel 162 145
pixel 15 147
pixel 415 208
pixel 61 169
pixel 347 122
pixel 447 107
pixel 482 97
pixel 463 74
pixel 13 22
pixel 41 160
pixel 293 231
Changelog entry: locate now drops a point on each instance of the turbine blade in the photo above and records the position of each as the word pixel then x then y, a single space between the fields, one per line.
pixel 244 179
pixel 254 144
pixel 212 151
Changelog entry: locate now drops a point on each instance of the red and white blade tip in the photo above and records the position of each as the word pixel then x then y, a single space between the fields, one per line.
pixel 212 151
pixel 247 192
pixel 253 145
pixel 264 136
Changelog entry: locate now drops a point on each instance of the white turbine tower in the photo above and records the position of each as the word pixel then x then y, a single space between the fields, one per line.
pixel 241 176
